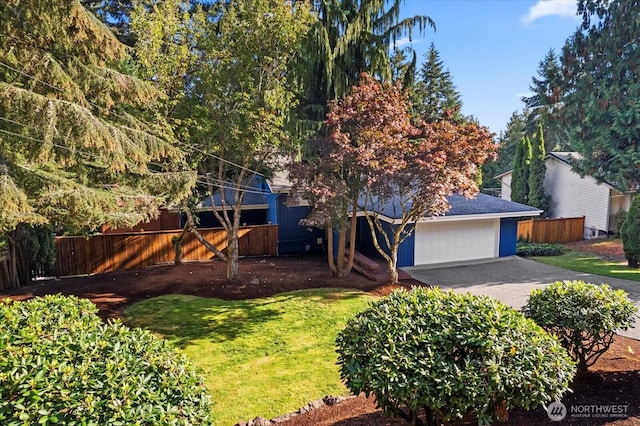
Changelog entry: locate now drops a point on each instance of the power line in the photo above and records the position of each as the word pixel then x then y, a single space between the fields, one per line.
pixel 125 118
pixel 219 183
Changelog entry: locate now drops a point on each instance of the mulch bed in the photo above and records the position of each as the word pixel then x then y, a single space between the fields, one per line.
pixel 615 379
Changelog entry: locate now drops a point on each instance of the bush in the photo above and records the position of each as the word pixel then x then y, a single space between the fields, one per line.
pixel 630 234
pixel 61 365
pixel 539 249
pixel 450 354
pixel 583 316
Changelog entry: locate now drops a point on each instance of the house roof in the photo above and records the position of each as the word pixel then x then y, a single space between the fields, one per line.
pixel 482 206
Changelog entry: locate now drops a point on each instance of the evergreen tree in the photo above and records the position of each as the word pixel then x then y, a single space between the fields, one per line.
pixel 544 104
pixel 80 142
pixel 435 90
pixel 520 174
pixel 630 233
pixel 348 38
pixel 537 170
pixel 601 105
pixel 508 142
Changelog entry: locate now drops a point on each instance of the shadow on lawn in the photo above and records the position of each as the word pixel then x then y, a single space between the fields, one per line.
pixel 183 319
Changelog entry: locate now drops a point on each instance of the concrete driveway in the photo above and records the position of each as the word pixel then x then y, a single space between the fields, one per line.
pixel 511 279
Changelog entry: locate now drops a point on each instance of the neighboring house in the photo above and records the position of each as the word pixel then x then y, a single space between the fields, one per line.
pixel 576 196
pixel 476 228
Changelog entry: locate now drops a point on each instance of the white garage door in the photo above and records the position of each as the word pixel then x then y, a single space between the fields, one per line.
pixel 440 242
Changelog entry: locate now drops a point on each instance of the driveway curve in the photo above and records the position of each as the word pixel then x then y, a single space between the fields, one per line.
pixel 511 279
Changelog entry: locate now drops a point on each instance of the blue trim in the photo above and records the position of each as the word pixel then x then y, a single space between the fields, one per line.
pixel 508 236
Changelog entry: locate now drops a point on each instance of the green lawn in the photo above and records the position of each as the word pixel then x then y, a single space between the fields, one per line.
pixel 592 264
pixel 260 357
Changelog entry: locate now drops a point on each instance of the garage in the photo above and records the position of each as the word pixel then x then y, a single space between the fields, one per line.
pixel 443 241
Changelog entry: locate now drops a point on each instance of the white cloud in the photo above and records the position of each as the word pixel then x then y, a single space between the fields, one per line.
pixel 400 43
pixel 565 8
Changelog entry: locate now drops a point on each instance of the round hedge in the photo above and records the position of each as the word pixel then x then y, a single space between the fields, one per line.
pixel 583 316
pixel 61 365
pixel 446 355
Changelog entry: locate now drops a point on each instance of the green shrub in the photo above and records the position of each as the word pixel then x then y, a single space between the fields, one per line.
pixel 448 354
pixel 61 365
pixel 583 316
pixel 630 234
pixel 539 249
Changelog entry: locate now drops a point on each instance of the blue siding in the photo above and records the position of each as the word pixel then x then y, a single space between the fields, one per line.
pixel 508 236
pixel 294 238
pixel 406 250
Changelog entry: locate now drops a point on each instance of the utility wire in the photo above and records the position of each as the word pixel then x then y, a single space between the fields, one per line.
pixel 125 118
pixel 219 183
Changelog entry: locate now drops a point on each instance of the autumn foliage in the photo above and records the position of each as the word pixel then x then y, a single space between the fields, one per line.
pixel 374 155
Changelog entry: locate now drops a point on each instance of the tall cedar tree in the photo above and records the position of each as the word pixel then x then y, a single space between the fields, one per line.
pixel 543 106
pixel 241 101
pixel 630 233
pixel 80 142
pixel 520 175
pixel 375 157
pixel 537 171
pixel 601 106
pixel 435 92
pixel 347 39
pixel 508 142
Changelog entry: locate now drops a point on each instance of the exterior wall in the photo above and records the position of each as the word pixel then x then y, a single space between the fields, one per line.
pixel 575 196
pixel 505 187
pixel 365 242
pixel 508 236
pixel 294 238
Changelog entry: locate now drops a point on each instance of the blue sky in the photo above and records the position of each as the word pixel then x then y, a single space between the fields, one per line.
pixel 493 48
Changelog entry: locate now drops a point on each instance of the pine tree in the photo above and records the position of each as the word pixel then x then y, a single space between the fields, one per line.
pixel 601 106
pixel 347 39
pixel 435 90
pixel 520 175
pixel 80 142
pixel 508 142
pixel 537 170
pixel 543 106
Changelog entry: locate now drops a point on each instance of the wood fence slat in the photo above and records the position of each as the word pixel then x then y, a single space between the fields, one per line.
pixel 113 252
pixel 564 230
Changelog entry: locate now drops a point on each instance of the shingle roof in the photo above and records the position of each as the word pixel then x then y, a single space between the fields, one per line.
pixel 481 204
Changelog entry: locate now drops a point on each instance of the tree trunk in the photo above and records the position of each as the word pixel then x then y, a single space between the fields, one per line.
pixel 392 264
pixel 177 245
pixel 342 241
pixel 330 257
pixel 233 257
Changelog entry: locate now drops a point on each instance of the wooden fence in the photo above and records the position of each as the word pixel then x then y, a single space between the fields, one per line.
pixel 114 252
pixel 565 230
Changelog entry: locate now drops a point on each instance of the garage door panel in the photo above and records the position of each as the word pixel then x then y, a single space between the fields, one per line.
pixel 455 241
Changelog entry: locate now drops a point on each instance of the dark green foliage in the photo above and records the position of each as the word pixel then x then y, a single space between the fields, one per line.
pixel 435 92
pixel 630 233
pixel 601 105
pixel 508 142
pixel 543 105
pixel 61 365
pixel 539 249
pixel 619 219
pixel 520 175
pixel 583 316
pixel 450 354
pixel 537 170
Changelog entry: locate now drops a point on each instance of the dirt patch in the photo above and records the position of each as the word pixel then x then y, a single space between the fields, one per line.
pixel 610 249
pixel 615 379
